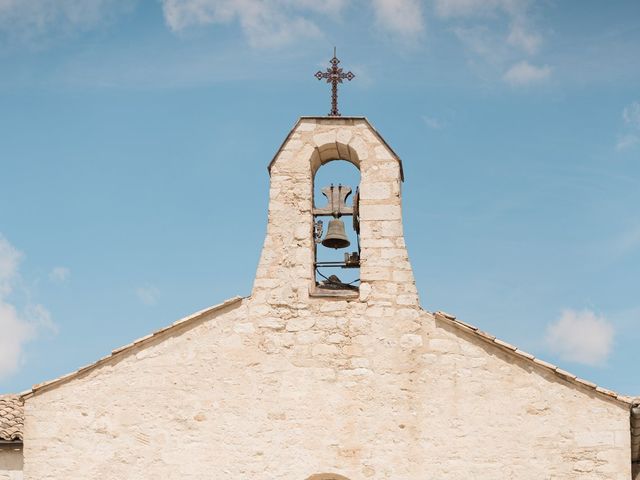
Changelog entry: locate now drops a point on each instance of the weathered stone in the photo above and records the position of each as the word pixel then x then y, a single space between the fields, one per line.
pixel 298 324
pixel 286 384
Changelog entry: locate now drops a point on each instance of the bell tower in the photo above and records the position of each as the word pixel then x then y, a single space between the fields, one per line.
pixel 297 228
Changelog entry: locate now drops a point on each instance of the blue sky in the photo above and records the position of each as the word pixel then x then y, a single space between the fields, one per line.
pixel 129 196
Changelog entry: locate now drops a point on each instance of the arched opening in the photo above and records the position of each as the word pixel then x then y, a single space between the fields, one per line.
pixel 336 225
pixel 327 476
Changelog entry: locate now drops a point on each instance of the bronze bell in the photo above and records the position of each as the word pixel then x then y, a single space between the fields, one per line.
pixel 336 236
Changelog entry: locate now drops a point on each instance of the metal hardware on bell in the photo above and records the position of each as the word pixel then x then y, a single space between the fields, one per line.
pixel 336 236
pixel 351 260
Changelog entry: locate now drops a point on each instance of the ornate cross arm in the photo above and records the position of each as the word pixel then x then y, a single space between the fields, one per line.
pixel 334 75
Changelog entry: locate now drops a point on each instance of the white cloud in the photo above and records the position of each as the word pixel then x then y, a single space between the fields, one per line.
pixel 474 8
pixel 9 260
pixel 523 73
pixel 497 31
pixel 273 23
pixel 266 23
pixel 628 241
pixel 482 41
pixel 631 118
pixel 631 115
pixel 148 294
pixel 16 328
pixel 627 141
pixel 15 333
pixel 400 17
pixel 581 336
pixel 32 19
pixel 59 274
pixel 433 123
pixel 520 35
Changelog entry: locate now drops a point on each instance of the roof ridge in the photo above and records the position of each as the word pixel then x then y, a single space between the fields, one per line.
pixel 120 351
pixel 563 374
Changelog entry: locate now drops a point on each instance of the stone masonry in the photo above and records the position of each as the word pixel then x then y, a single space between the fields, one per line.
pixel 287 384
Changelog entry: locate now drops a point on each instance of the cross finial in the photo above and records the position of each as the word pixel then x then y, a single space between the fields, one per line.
pixel 334 76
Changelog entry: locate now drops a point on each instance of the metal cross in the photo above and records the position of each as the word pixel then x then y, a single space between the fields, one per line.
pixel 334 76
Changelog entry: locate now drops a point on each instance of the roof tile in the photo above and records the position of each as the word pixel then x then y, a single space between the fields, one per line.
pixel 11 418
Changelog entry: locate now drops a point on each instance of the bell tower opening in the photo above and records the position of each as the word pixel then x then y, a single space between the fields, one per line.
pixel 336 231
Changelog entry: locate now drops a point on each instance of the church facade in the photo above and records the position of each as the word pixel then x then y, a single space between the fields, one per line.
pixel 312 379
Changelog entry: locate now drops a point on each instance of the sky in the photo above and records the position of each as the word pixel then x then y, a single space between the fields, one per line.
pixel 135 136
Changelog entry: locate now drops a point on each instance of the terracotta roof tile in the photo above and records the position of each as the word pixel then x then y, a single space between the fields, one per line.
pixel 11 418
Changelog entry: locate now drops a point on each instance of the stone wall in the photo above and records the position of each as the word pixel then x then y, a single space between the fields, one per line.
pixel 285 385
pixel 365 391
pixel 10 462
pixel 285 273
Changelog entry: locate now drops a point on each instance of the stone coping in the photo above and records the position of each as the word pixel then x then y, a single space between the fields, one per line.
pixel 562 374
pixel 122 351
pixel 337 121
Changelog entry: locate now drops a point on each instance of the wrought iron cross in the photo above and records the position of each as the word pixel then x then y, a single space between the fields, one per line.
pixel 334 76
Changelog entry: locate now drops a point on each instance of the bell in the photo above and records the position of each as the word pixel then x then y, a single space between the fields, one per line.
pixel 336 236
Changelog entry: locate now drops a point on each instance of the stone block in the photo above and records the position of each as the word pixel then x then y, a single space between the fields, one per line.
pixel 324 349
pixel 325 140
pixel 410 340
pixel 306 126
pixel 298 324
pixel 407 300
pixel 271 322
pixel 376 191
pixel 244 328
pixel 333 306
pixel 443 345
pixel 352 350
pixel 336 338
pixel 344 135
pixel 380 212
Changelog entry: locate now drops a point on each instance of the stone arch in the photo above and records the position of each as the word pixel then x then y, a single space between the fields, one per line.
pixel 327 476
pixel 328 152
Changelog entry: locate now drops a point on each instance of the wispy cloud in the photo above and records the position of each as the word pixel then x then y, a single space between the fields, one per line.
pixel 520 32
pixel 627 242
pixel 631 136
pixel 148 294
pixel 403 18
pixel 499 32
pixel 433 122
pixel 581 337
pixel 268 23
pixel 274 23
pixel 520 35
pixel 17 327
pixel 625 142
pixel 631 115
pixel 59 274
pixel 33 21
pixel 523 74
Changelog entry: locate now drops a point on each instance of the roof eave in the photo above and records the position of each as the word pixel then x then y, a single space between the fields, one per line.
pixel 572 379
pixel 126 349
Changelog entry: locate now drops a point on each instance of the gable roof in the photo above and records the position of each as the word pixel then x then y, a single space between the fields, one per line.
pixel 562 374
pixel 11 418
pixel 12 406
pixel 338 119
pixel 126 349
pixel 632 403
